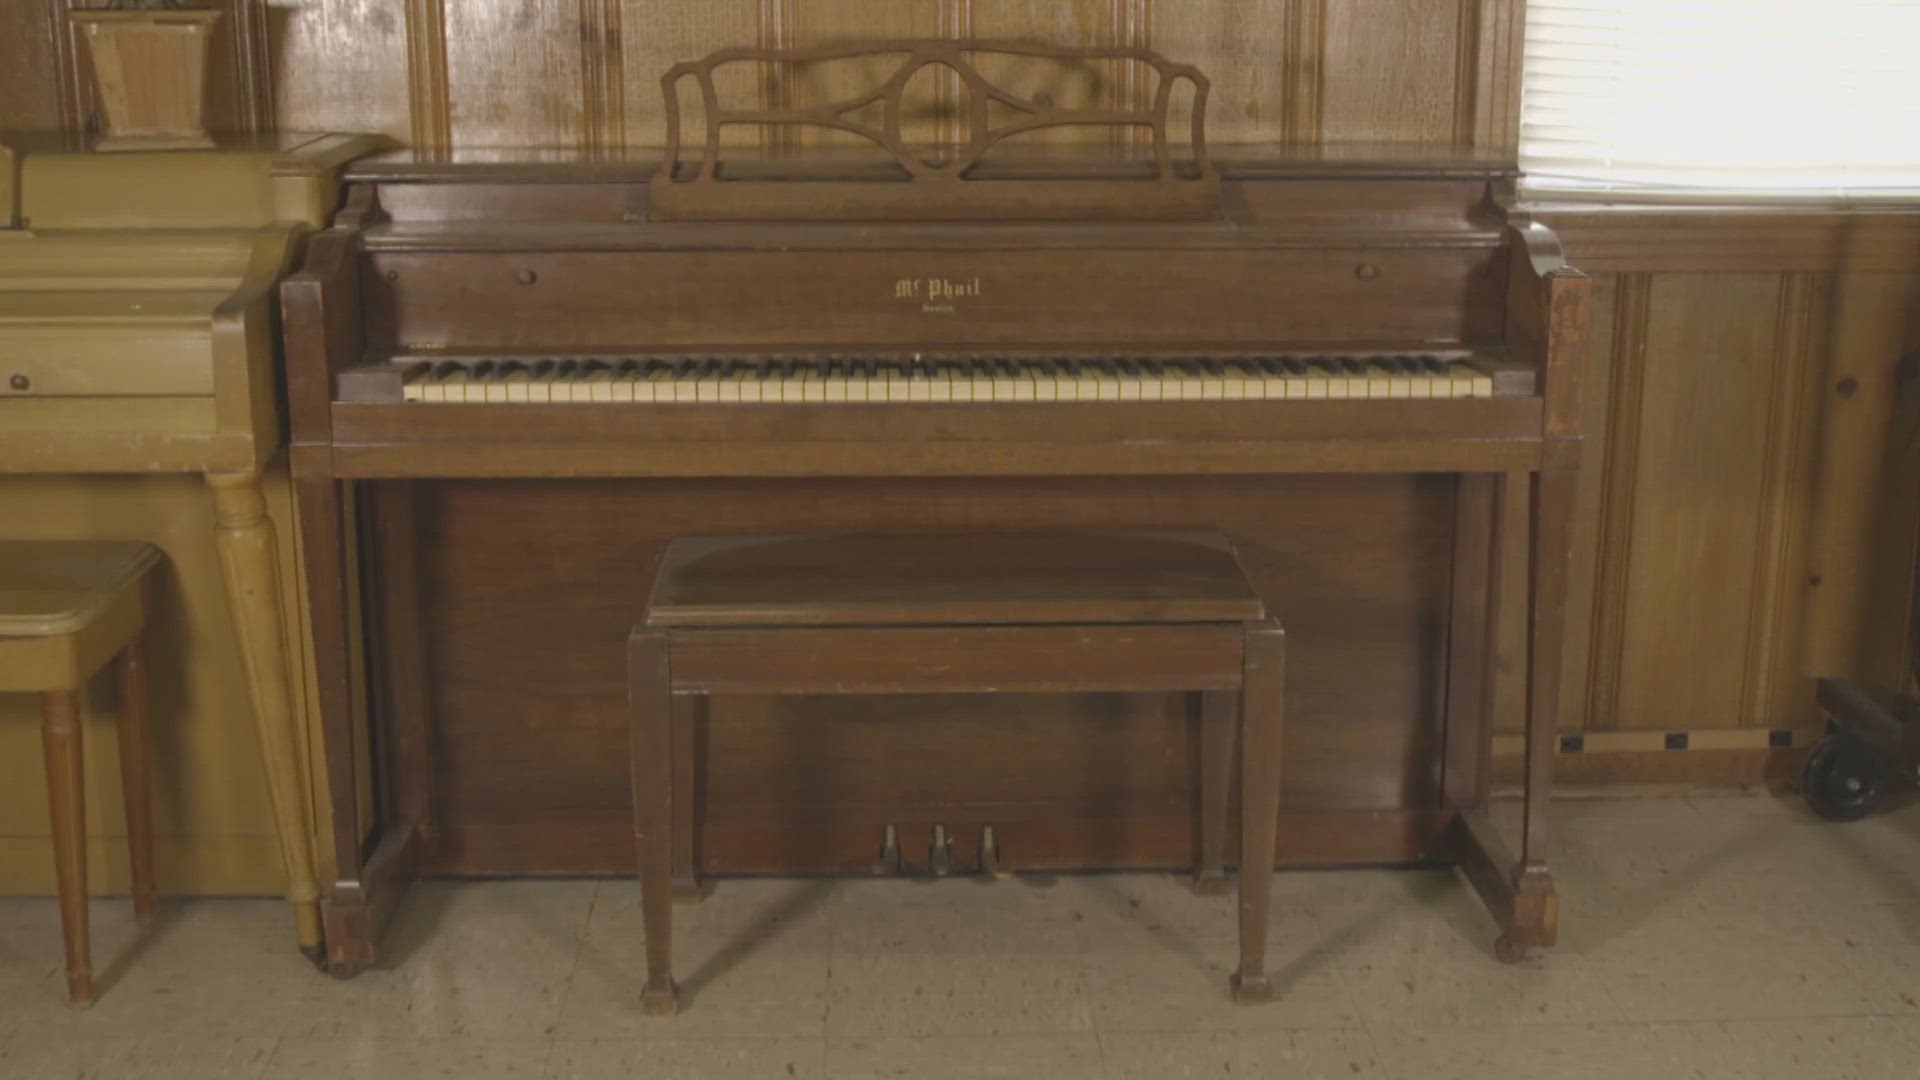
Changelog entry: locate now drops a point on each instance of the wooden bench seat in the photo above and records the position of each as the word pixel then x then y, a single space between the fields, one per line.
pixel 961 614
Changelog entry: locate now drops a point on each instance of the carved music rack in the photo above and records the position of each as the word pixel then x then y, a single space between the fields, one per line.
pixel 975 180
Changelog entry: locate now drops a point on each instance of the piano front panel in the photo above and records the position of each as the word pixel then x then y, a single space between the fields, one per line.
pixel 1179 298
pixel 530 586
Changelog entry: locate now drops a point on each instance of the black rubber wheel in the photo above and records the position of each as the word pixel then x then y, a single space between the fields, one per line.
pixel 1843 780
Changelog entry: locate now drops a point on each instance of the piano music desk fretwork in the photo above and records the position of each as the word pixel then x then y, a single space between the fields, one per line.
pixel 1360 330
pixel 137 336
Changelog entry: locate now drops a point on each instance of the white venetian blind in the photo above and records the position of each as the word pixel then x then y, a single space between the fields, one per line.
pixel 1759 95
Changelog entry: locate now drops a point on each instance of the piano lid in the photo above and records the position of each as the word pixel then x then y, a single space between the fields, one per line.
pixel 58 182
pixel 639 164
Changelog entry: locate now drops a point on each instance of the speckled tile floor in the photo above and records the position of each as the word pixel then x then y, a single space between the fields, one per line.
pixel 1702 937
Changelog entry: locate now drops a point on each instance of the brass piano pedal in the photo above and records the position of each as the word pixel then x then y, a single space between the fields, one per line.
pixel 990 855
pixel 940 852
pixel 888 861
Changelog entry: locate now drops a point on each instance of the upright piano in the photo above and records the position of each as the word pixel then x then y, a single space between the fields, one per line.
pixel 137 335
pixel 512 375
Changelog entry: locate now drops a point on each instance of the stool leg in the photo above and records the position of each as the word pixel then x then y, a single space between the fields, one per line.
pixel 136 772
pixel 686 722
pixel 66 792
pixel 1260 725
pixel 650 707
pixel 1219 714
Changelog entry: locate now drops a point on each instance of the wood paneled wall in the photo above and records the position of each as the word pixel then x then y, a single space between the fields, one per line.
pixel 1740 383
pixel 585 73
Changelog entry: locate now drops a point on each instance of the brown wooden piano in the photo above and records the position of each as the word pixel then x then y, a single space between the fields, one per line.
pixel 514 376
pixel 136 336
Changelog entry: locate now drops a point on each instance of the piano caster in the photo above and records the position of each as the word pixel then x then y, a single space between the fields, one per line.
pixel 1508 950
pixel 1251 991
pixel 316 955
pixel 660 1000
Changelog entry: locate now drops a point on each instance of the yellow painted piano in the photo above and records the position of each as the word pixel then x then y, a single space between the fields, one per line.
pixel 137 335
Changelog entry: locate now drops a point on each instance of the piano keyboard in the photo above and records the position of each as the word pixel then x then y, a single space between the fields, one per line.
pixel 671 380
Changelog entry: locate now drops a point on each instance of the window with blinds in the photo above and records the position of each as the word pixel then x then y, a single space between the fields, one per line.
pixel 1810 96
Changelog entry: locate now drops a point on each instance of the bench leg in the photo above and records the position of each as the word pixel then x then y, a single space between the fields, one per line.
pixel 136 772
pixel 66 794
pixel 1260 727
pixel 1219 715
pixel 650 708
pixel 688 717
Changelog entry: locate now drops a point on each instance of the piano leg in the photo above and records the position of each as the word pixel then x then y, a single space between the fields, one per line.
pixel 1520 892
pixel 245 541
pixel 1219 712
pixel 368 885
pixel 1536 907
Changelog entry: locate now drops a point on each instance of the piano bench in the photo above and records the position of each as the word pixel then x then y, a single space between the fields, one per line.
pixel 959 614
pixel 67 608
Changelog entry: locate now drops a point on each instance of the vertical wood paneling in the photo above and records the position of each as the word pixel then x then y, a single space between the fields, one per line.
pixel 30 78
pixel 1876 317
pixel 343 65
pixel 70 65
pixel 1068 22
pixel 823 22
pixel 1774 694
pixel 1304 67
pixel 246 61
pixel 1390 71
pixel 1615 481
pixel 429 86
pixel 1584 578
pixel 1251 56
pixel 602 74
pixel 654 37
pixel 514 73
pixel 1699 485
pixel 1486 89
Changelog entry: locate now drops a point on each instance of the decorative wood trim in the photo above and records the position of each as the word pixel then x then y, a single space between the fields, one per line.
pixel 1785 503
pixel 776 32
pixel 1130 26
pixel 429 100
pixel 1644 239
pixel 1618 480
pixel 953 19
pixel 603 93
pixel 1303 35
pixel 1486 96
pixel 75 89
pixel 252 73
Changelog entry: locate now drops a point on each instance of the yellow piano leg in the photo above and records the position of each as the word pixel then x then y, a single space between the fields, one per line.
pixel 244 538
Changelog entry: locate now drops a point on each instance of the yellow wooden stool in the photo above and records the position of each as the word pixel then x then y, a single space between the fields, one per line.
pixel 66 609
